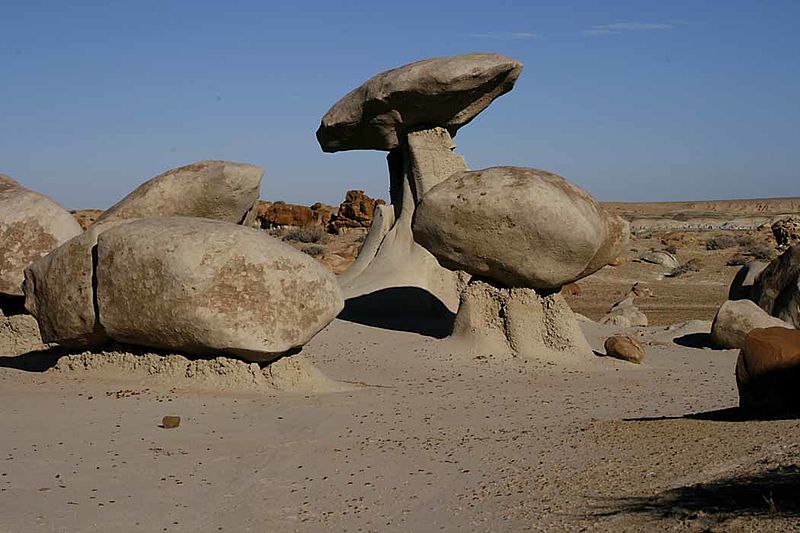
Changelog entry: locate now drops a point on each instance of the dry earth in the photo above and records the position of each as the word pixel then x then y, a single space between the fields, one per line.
pixel 419 439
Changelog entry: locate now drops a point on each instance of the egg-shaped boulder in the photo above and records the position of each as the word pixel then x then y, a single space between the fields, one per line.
pixel 209 287
pixel 521 227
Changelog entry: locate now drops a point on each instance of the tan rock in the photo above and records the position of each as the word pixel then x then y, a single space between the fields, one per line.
pixel 735 319
pixel 745 278
pixel 59 291
pixel 522 227
pixel 31 225
pixel 625 348
pixel 220 190
pixel 444 91
pixel 768 371
pixel 209 287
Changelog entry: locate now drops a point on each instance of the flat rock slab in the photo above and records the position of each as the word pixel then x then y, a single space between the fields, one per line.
pixel 444 91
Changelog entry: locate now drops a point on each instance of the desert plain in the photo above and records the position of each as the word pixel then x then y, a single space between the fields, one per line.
pixel 382 427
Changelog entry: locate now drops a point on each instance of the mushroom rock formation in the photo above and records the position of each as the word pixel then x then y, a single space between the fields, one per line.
pixel 219 190
pixel 530 232
pixel 31 225
pixel 413 112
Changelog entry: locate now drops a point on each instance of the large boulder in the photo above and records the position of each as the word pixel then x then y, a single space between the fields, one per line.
pixel 735 319
pixel 209 287
pixel 220 190
pixel 768 371
pixel 742 284
pixel 31 225
pixel 521 227
pixel 444 91
pixel 60 292
pixel 777 288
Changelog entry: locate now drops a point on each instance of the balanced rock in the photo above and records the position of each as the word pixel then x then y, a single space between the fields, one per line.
pixel 220 190
pixel 742 284
pixel 777 288
pixel 31 225
pixel 444 91
pixel 735 319
pixel 209 287
pixel 768 371
pixel 625 348
pixel 521 227
pixel 59 291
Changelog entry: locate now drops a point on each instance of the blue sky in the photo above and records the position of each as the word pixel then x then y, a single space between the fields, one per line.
pixel 633 100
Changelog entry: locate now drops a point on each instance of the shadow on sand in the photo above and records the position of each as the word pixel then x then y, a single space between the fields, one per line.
pixel 35 361
pixel 695 340
pixel 401 309
pixel 771 493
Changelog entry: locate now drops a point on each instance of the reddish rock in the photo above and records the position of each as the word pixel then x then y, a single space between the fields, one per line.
pixel 86 217
pixel 768 371
pixel 625 348
pixel 357 211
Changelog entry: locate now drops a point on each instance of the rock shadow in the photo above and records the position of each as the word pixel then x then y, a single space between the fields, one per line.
pixel 728 414
pixel 35 361
pixel 773 493
pixel 695 340
pixel 410 309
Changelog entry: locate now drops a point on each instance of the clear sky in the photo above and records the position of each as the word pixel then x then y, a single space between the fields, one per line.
pixel 631 99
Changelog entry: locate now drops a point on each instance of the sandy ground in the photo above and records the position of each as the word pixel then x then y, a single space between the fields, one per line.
pixel 425 440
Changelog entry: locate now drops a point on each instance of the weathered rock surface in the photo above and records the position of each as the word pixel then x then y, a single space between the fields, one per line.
pixel 625 316
pixel 735 319
pixel 522 227
pixel 742 284
pixel 445 91
pixel 19 334
pixel 786 231
pixel 31 225
pixel 768 371
pixel 625 348
pixel 209 287
pixel 661 257
pixel 59 291
pixel 517 322
pixel 220 190
pixel 777 288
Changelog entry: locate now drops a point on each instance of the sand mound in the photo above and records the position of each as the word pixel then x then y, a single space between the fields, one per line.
pixel 289 374
pixel 19 334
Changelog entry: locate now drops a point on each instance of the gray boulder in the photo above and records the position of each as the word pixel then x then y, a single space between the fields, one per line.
pixel 777 288
pixel 209 287
pixel 735 319
pixel 59 291
pixel 521 227
pixel 31 225
pixel 444 91
pixel 220 190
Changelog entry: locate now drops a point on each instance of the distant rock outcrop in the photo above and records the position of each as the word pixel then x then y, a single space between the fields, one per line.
pixel 86 217
pixel 356 211
pixel 786 231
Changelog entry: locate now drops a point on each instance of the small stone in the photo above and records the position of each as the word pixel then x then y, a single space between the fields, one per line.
pixel 170 422
pixel 625 348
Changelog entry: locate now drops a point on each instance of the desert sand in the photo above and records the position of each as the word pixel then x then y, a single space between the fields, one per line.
pixel 417 438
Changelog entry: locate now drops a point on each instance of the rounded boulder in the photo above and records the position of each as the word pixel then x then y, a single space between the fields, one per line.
pixel 209 287
pixel 521 227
